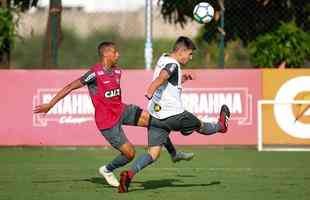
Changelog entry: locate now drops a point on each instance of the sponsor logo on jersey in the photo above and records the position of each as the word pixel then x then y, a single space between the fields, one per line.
pixel 112 93
pixel 157 107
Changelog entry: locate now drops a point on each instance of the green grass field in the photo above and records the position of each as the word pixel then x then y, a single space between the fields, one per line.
pixel 214 174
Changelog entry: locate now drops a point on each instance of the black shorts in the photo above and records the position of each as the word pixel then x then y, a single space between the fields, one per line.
pixel 115 135
pixel 159 129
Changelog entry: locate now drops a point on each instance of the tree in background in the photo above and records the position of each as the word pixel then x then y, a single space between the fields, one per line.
pixel 7 32
pixel 9 22
pixel 53 35
pixel 244 19
pixel 288 46
pixel 9 16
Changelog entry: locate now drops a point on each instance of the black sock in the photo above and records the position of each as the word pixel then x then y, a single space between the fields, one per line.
pixel 170 148
pixel 209 128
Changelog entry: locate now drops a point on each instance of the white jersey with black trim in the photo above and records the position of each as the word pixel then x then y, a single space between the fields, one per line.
pixel 166 100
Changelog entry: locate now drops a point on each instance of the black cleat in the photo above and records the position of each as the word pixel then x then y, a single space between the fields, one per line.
pixel 224 117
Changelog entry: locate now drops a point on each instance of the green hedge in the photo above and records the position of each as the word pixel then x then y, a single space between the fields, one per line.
pixel 78 52
pixel 288 43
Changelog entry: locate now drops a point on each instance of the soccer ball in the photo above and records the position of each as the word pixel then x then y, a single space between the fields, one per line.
pixel 203 12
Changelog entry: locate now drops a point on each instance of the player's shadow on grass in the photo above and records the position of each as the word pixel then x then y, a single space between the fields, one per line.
pixel 185 176
pixel 154 184
pixel 98 180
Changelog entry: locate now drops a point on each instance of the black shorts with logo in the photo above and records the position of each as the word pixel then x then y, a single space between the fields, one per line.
pixel 159 129
pixel 115 135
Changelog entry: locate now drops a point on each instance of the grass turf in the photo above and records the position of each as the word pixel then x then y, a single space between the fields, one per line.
pixel 71 173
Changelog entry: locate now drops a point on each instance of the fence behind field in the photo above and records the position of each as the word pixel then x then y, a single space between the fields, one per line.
pixel 71 123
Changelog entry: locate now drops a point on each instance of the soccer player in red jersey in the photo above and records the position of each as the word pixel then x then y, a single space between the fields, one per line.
pixel 103 82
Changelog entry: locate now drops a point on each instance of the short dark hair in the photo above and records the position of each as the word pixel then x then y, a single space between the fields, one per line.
pixel 104 45
pixel 184 42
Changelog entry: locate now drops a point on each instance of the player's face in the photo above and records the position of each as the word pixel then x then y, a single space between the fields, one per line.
pixel 112 54
pixel 185 56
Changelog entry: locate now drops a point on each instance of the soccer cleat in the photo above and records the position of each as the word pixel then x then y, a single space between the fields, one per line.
pixel 109 176
pixel 224 117
pixel 182 156
pixel 124 182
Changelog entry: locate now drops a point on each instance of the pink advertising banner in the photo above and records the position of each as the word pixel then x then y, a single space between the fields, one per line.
pixel 71 123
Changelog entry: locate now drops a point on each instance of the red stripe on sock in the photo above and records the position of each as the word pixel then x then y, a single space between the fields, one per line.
pixel 130 174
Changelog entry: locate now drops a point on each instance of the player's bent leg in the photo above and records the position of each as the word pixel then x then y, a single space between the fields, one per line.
pixel 164 125
pixel 221 126
pixel 208 128
pixel 156 137
pixel 128 150
pixel 144 119
pixel 190 123
pixel 116 137
pixel 154 152
pixel 127 154
pixel 141 118
pixel 141 162
pixel 135 116
pixel 126 176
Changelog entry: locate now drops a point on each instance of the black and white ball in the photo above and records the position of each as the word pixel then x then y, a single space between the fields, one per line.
pixel 203 12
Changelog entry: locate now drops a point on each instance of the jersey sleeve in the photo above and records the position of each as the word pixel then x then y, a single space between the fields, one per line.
pixel 88 78
pixel 171 68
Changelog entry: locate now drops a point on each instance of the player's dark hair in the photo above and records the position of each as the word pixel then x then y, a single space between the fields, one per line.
pixel 184 42
pixel 104 45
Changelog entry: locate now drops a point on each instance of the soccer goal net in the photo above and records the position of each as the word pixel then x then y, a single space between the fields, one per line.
pixel 283 126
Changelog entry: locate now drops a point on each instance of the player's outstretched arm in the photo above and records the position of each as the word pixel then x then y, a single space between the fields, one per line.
pixel 44 108
pixel 156 83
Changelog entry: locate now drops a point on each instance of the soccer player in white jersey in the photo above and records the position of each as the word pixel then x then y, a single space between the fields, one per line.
pixel 166 109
